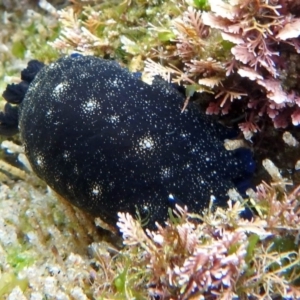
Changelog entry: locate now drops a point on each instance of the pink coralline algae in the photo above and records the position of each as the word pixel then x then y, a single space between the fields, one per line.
pixel 264 35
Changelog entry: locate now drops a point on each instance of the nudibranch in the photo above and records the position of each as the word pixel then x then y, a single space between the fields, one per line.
pixel 108 142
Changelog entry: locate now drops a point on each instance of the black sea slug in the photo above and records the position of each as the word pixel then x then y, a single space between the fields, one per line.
pixel 108 142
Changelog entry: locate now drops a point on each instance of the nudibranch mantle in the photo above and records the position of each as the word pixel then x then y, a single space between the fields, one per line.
pixel 108 142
